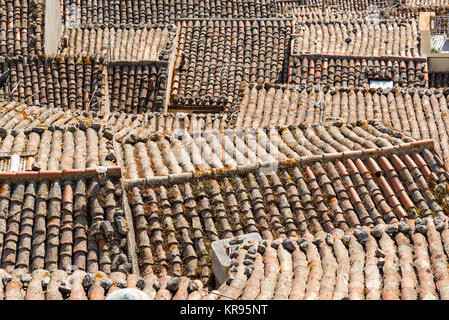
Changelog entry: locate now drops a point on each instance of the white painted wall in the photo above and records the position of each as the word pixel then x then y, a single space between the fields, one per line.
pixel 52 27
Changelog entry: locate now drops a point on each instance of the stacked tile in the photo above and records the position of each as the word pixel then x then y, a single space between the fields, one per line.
pixel 349 72
pixel 21 27
pixel 128 43
pixel 318 196
pixel 357 38
pixel 64 81
pixel 81 285
pixel 216 57
pixel 401 261
pixel 61 224
pixel 419 113
pixel 137 88
pixel 156 11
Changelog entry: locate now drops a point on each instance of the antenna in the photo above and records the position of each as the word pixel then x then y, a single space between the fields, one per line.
pixel 15 88
pixel 93 96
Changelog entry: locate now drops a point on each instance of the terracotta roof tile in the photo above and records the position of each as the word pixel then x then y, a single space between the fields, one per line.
pixel 65 81
pixel 357 38
pixel 41 229
pixel 79 285
pixel 336 199
pixel 150 43
pixel 210 74
pixel 419 113
pixel 21 23
pixel 316 267
pixel 137 88
pixel 155 11
pixel 343 71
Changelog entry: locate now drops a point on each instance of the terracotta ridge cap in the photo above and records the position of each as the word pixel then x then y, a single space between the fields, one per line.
pixel 256 168
pixel 58 174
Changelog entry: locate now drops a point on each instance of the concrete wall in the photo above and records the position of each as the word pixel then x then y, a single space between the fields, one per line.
pixel 52 27
pixel 438 62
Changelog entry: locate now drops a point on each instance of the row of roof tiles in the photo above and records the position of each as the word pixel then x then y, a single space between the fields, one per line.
pixel 137 88
pixel 152 155
pixel 357 38
pixel 416 175
pixel 57 224
pixel 346 71
pixel 21 117
pixel 74 147
pixel 129 44
pixel 79 285
pixel 64 81
pixel 425 4
pixel 335 5
pixel 318 12
pixel 155 11
pixel 78 82
pixel 21 25
pixel 377 188
pixel 419 113
pixel 403 261
pixel 216 57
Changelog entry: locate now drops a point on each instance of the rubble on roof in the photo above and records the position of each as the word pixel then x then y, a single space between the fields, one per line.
pixel 357 38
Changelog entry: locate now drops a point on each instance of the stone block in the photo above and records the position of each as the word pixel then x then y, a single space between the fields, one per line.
pixel 221 250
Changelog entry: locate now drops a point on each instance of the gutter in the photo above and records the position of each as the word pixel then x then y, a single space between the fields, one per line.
pixel 114 171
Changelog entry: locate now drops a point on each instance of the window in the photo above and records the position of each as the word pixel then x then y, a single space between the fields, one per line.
pixel 384 84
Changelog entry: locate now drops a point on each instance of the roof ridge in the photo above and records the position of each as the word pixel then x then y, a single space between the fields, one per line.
pixel 184 177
